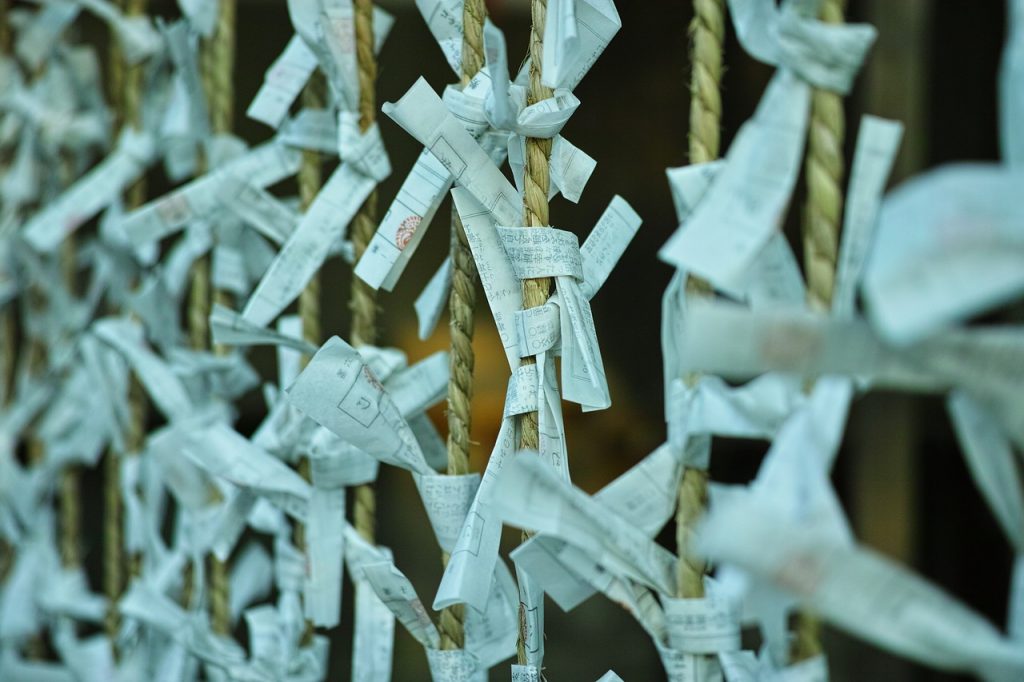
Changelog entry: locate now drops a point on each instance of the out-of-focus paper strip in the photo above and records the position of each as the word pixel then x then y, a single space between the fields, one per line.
pixel 747 199
pixel 858 590
pixel 423 115
pixel 339 392
pixel 307 247
pixel 949 246
pixel 90 194
pixel 282 83
pixel 877 144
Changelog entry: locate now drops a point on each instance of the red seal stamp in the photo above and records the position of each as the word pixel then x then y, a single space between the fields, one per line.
pixel 406 231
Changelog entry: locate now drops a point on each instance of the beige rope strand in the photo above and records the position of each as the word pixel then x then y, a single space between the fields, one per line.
pixel 70 526
pixel 461 307
pixel 126 98
pixel 8 325
pixel 822 215
pixel 217 72
pixel 707 33
pixel 824 170
pixel 536 181
pixel 363 299
pixel 310 179
pixel 112 463
pixel 5 27
pixel 8 360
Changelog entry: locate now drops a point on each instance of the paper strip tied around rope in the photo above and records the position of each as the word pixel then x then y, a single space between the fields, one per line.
pixel 644 496
pixel 556 253
pixel 749 196
pixel 490 117
pixel 790 36
pixel 490 634
pixel 527 333
pixel 470 568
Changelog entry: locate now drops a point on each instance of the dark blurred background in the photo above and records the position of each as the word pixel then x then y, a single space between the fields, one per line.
pixel 900 474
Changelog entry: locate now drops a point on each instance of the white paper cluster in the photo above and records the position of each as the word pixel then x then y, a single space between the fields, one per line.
pixel 748 361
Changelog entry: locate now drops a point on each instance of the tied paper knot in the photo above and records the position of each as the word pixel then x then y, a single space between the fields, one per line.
pixel 544 119
pixel 507 107
pixel 468 104
pixel 702 626
pixel 454 665
pixel 826 56
pixel 521 393
pixel 364 151
pixel 531 388
pixel 556 253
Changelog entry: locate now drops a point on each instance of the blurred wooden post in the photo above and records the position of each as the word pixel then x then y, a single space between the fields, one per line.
pixel 886 433
pixel 883 466
pixel 896 77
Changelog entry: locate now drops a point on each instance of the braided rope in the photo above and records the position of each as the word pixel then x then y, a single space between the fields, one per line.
pixel 8 352
pixel 536 181
pixel 8 327
pixel 824 168
pixel 461 307
pixel 707 34
pixel 218 63
pixel 310 179
pixel 113 578
pixel 5 27
pixel 822 215
pixel 70 526
pixel 126 100
pixel 362 298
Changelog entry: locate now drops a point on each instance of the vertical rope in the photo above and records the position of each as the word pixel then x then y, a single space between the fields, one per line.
pixel 8 324
pixel 822 216
pixel 824 170
pixel 462 300
pixel 310 179
pixel 5 27
pixel 217 63
pixel 126 98
pixel 70 527
pixel 8 359
pixel 536 181
pixel 707 33
pixel 461 307
pixel 363 299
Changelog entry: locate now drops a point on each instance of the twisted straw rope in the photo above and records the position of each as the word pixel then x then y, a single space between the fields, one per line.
pixel 8 328
pixel 707 33
pixel 8 360
pixel 126 98
pixel 824 169
pixel 822 216
pixel 536 181
pixel 461 306
pixel 362 298
pixel 462 300
pixel 70 526
pixel 217 70
pixel 310 179
pixel 5 27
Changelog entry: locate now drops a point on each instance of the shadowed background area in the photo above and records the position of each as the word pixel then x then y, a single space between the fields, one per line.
pixel 900 474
